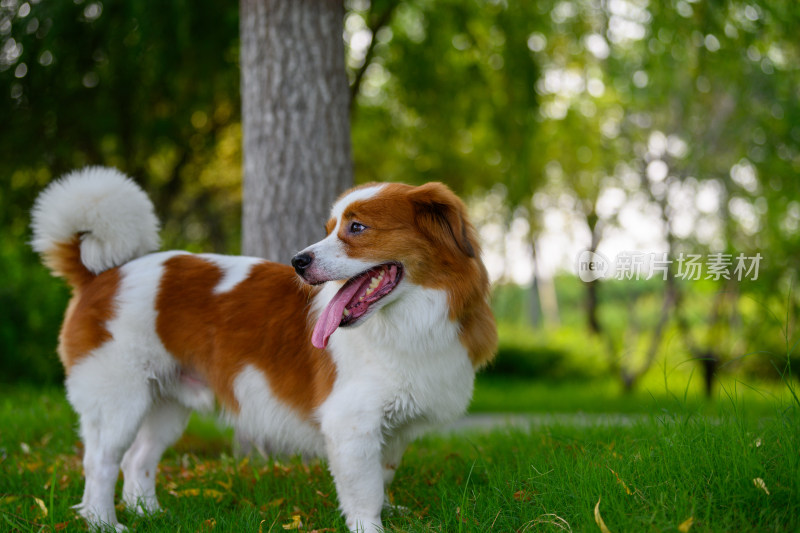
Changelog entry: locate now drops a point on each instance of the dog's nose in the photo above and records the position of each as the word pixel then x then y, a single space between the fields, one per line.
pixel 301 261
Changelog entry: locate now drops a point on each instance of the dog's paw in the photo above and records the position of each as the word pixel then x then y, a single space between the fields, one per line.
pixel 101 521
pixel 146 510
pixel 143 506
pixel 365 526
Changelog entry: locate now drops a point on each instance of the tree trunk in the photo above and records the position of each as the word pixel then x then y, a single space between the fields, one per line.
pixel 544 299
pixel 592 286
pixel 295 117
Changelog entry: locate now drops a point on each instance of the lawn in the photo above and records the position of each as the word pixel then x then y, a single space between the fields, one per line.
pixel 729 465
pixel 657 393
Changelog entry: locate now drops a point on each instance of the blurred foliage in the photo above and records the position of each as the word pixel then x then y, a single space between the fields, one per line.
pixel 449 95
pixel 149 87
pixel 557 354
pixel 755 334
pixel 686 111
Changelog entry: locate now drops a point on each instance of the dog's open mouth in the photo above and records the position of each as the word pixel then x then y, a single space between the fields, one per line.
pixel 354 299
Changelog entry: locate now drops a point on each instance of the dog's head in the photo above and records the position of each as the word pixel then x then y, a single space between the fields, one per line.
pixel 380 238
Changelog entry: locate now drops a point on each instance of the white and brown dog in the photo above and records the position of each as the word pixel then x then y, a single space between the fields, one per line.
pixel 148 337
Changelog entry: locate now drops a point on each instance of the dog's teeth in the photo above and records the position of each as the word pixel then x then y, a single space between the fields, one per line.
pixel 346 312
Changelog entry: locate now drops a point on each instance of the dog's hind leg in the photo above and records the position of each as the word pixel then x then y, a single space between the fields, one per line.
pixel 111 405
pixel 162 426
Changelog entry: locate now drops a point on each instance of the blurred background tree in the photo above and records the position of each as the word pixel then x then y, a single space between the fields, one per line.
pixel 608 125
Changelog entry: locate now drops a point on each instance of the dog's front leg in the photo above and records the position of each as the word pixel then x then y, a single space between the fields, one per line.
pixel 392 454
pixel 353 447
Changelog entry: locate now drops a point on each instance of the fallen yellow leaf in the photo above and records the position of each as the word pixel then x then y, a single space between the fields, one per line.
pixel 599 519
pixel 211 493
pixel 185 492
pixel 758 482
pixel 207 525
pixel 276 502
pixel 296 523
pixel 33 465
pixel 205 493
pixel 624 486
pixel 42 506
pixel 686 525
pixel 261 526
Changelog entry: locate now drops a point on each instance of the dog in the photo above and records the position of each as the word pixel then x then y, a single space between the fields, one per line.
pixel 370 338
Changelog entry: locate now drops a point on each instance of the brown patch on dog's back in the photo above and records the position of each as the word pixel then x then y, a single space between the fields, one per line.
pixel 187 315
pixel 91 307
pixel 262 321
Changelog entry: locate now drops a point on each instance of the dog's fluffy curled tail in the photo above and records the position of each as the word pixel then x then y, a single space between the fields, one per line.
pixel 91 220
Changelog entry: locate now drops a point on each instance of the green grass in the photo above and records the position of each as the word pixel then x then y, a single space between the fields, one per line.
pixel 655 394
pixel 666 468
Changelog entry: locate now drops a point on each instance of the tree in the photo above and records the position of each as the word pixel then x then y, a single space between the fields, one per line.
pixel 295 108
pixel 637 107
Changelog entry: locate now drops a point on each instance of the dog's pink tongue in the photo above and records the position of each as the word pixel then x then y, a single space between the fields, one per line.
pixel 331 317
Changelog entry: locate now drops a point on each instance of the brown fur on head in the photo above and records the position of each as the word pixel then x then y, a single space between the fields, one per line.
pixel 427 229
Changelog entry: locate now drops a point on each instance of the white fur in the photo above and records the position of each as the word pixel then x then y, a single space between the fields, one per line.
pixel 162 426
pixel 402 371
pixel 116 389
pixel 235 269
pixel 264 420
pixel 364 193
pixel 114 216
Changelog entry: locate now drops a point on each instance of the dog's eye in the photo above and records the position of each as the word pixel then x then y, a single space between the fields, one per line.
pixel 357 227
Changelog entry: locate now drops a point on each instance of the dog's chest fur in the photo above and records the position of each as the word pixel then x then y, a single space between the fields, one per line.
pixel 405 365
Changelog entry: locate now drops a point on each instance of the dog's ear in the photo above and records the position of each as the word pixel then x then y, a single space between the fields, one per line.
pixel 441 215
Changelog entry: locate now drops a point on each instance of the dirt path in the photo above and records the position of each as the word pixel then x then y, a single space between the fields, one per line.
pixel 492 421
